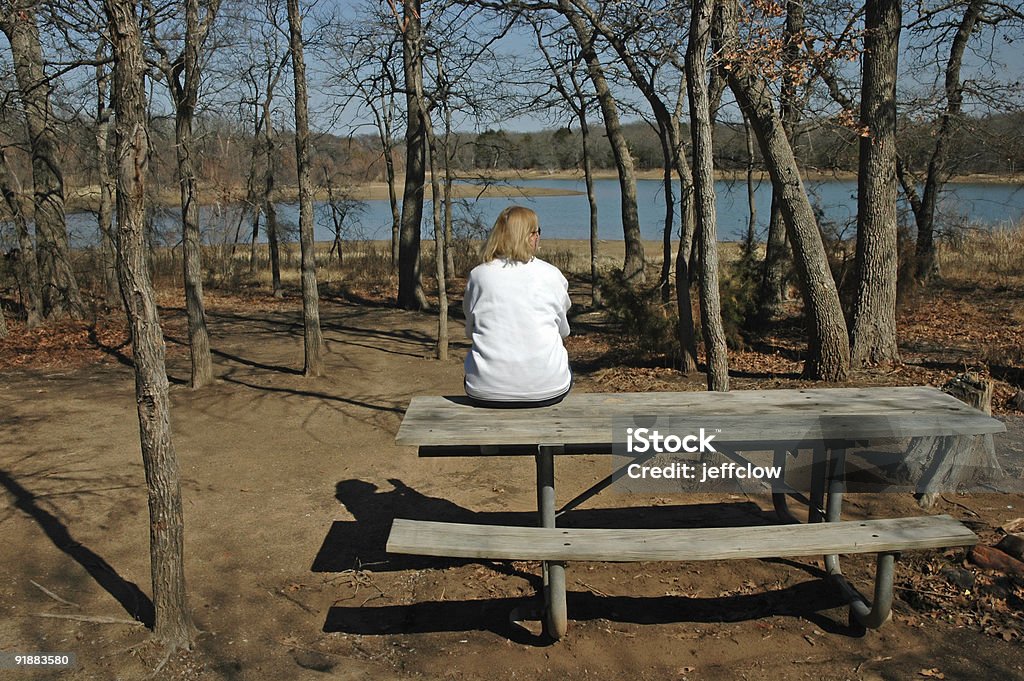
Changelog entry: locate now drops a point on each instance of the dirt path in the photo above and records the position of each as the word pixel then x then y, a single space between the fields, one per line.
pixel 290 486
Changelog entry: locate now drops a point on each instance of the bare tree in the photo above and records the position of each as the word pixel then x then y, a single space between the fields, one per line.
pixel 633 265
pixel 949 120
pixel 873 328
pixel 313 344
pixel 704 188
pixel 828 353
pixel 182 73
pixel 61 297
pixel 567 82
pixel 173 622
pixel 363 59
pixel 410 286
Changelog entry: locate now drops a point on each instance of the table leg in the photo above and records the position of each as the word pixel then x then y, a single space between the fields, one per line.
pixel 869 615
pixel 779 501
pixel 555 611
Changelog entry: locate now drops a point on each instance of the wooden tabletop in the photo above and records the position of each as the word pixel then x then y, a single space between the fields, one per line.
pixel 740 416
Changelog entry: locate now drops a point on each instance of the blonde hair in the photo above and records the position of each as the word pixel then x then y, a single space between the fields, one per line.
pixel 510 237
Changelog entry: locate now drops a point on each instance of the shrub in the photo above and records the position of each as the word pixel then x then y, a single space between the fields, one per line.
pixel 641 314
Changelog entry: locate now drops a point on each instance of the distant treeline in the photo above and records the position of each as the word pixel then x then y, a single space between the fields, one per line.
pixel 990 145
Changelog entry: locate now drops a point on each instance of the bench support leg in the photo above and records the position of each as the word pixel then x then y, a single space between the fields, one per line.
pixel 556 617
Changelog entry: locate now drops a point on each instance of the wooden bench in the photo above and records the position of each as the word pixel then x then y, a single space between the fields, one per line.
pixel 825 420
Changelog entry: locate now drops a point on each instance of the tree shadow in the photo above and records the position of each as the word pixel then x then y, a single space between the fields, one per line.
pixel 132 599
pixel 114 351
pixel 316 395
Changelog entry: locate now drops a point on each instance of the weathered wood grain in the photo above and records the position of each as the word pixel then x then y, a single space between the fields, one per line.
pixel 624 545
pixel 742 416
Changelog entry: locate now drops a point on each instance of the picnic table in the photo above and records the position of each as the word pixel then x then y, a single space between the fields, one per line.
pixel 826 421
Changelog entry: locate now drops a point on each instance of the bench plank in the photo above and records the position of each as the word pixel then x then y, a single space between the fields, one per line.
pixel 623 545
pixel 742 416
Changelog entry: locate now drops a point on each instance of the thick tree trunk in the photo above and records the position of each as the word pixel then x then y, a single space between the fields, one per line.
pixel 828 354
pixel 633 264
pixel 173 624
pixel 184 85
pixel 873 331
pixel 704 189
pixel 61 297
pixel 105 212
pixel 313 339
pixel 26 268
pixel 410 287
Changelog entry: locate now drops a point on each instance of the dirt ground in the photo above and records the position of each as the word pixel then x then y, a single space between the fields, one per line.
pixel 290 485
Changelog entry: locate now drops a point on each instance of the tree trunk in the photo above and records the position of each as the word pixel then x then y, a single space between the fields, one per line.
pixel 314 344
pixel 384 118
pixel 61 297
pixel 268 200
pixel 773 291
pixel 410 287
pixel 873 332
pixel 633 265
pixel 936 176
pixel 105 213
pixel 776 262
pixel 704 189
pixel 173 623
pixel 26 268
pixel 685 332
pixel 449 180
pixel 828 354
pixel 588 178
pixel 751 238
pixel 183 81
pixel 3 323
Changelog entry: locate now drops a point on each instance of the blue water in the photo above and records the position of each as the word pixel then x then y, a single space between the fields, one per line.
pixel 567 217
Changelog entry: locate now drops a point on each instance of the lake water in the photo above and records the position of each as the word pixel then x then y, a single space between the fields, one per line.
pixel 567 217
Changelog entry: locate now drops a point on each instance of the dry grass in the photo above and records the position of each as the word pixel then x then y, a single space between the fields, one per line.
pixel 984 257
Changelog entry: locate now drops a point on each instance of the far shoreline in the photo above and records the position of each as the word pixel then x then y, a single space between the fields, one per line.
pixel 493 184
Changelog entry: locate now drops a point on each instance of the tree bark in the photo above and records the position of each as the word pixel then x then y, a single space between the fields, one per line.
pixel 704 190
pixel 633 264
pixel 410 286
pixel 269 209
pixel 183 80
pixel 313 339
pixel 873 331
pixel 26 268
pixel 61 297
pixel 173 623
pixel 828 353
pixel 105 212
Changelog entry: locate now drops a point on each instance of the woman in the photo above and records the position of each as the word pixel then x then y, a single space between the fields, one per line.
pixel 515 309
